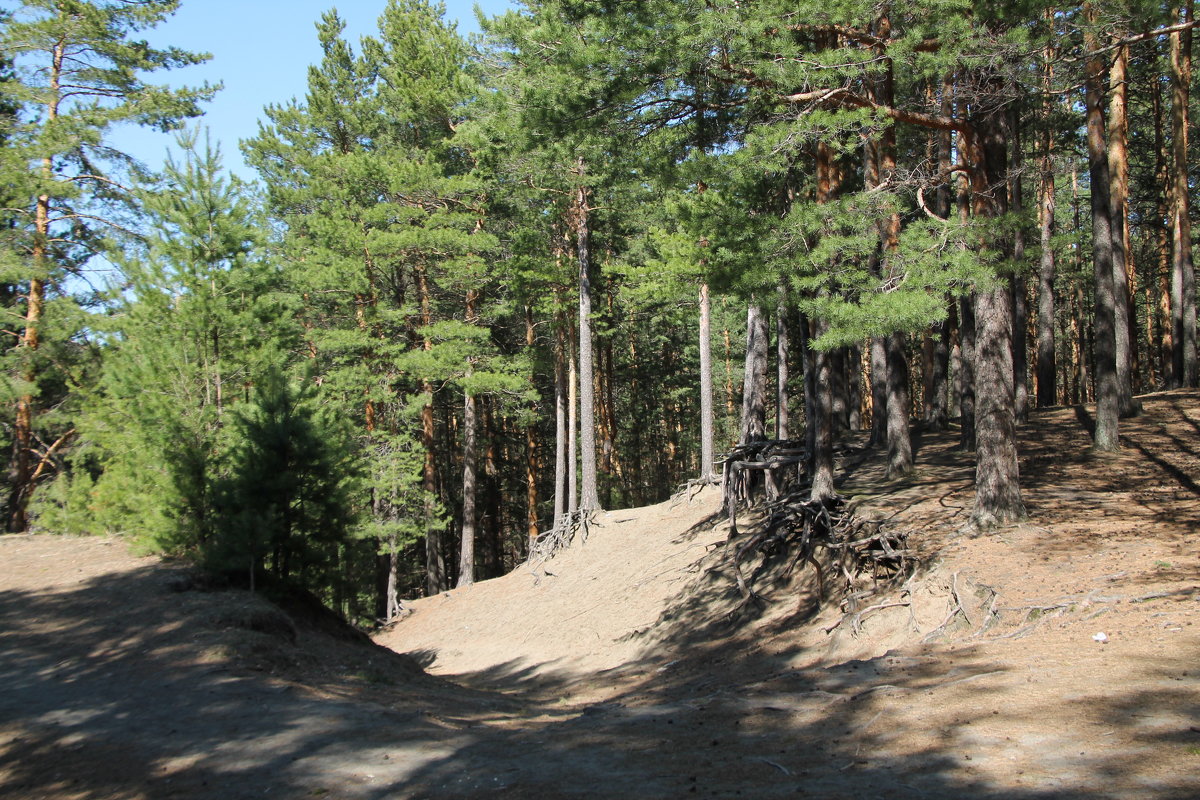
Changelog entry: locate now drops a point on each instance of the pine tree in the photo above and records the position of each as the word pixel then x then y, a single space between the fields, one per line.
pixel 198 316
pixel 374 176
pixel 78 72
pixel 285 503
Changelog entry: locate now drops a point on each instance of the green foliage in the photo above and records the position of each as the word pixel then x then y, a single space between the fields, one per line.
pixel 284 502
pixel 197 318
pixel 72 71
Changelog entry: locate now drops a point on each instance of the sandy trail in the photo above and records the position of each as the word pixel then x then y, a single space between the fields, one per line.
pixel 619 668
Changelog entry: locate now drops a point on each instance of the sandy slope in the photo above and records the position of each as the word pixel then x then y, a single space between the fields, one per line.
pixel 1009 696
pixel 582 612
pixel 625 666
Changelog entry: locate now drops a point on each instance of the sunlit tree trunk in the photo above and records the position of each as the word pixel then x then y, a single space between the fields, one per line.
pixel 754 390
pixel 707 449
pixel 466 552
pixel 531 451
pixel 1183 277
pixel 1118 170
pixel 781 366
pixel 1107 390
pixel 589 498
pixel 1047 370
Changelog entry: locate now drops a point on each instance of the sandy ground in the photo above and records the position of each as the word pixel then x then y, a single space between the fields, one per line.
pixel 628 667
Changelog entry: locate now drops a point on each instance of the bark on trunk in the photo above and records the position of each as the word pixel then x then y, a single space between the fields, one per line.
pixel 900 455
pixel 878 344
pixel 899 438
pixel 822 423
pixel 466 551
pixel 1104 438
pixel 1183 276
pixel 967 349
pixel 531 452
pixel 997 479
pixel 589 497
pixel 1020 300
pixel 1118 171
pixel 879 391
pixel 939 415
pixel 1047 370
pixel 572 428
pixel 1162 173
pixel 854 399
pixel 841 391
pixel 560 421
pixel 466 560
pixel 781 366
pixel 754 391
pixel 707 447
pixel 811 414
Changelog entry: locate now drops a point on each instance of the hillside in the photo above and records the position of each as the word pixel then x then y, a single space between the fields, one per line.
pixel 628 666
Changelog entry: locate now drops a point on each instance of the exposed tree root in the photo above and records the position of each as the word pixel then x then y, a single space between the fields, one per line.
pixel 559 537
pixel 796 528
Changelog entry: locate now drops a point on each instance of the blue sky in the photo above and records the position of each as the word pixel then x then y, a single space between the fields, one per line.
pixel 261 53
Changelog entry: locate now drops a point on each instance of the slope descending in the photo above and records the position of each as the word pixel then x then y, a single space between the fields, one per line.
pixel 584 611
pixel 627 666
pixel 984 673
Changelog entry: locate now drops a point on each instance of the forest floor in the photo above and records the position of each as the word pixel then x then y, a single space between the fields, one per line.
pixel 627 666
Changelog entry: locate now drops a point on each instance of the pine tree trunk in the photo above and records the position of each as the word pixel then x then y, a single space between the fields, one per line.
pixel 1162 174
pixel 531 451
pixel 612 457
pixel 878 344
pixel 1119 167
pixel 707 449
pixel 1020 299
pixel 939 414
pixel 393 583
pixel 926 376
pixel 967 351
pixel 1104 438
pixel 966 338
pixel 822 422
pixel 22 471
pixel 997 478
pixel 754 390
pixel 494 498
pixel 1183 276
pixel 589 499
pixel 466 551
pixel 572 428
pixel 854 398
pixel 1047 370
pixel 466 561
pixel 899 443
pixel 560 421
pixel 839 391
pixel 781 366
pixel 879 391
pixel 1118 171
pixel 811 413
